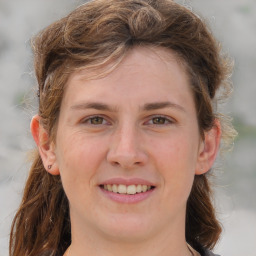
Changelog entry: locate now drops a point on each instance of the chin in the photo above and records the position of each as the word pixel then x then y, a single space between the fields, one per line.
pixel 127 229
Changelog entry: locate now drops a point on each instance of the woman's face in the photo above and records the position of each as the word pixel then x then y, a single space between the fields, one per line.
pixel 128 147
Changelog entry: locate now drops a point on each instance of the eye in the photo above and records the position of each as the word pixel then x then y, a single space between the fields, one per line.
pixel 95 120
pixel 160 120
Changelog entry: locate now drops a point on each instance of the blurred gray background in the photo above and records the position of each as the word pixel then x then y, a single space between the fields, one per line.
pixel 234 24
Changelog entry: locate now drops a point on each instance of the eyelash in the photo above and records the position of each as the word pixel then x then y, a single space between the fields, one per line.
pixel 167 120
pixel 88 120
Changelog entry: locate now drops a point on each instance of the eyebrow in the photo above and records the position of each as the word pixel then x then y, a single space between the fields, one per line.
pixel 94 105
pixel 160 105
pixel 146 107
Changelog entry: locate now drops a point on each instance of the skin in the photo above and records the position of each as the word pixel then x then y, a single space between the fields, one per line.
pixel 123 136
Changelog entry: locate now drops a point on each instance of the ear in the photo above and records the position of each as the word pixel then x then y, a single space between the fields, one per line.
pixel 45 146
pixel 208 149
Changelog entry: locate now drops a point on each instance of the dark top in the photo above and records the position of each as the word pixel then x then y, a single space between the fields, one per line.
pixel 206 252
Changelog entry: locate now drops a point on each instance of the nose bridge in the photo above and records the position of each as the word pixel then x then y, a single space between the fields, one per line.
pixel 126 137
pixel 125 149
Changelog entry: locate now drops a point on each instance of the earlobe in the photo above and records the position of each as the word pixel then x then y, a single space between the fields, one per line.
pixel 209 149
pixel 45 146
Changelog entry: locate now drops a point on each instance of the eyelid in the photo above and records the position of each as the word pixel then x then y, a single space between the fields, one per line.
pixel 169 119
pixel 87 119
pixel 106 120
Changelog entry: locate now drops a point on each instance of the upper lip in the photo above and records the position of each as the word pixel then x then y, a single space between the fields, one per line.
pixel 127 181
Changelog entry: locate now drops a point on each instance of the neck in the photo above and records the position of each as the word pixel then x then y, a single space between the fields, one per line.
pixel 115 249
pixel 167 242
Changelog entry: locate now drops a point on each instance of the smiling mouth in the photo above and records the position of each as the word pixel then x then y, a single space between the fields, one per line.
pixel 127 190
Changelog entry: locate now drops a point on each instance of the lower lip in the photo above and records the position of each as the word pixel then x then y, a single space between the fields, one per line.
pixel 127 199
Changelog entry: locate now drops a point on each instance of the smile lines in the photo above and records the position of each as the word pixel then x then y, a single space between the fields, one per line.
pixel 123 189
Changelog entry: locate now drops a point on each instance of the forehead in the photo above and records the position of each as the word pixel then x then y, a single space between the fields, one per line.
pixel 148 56
pixel 143 70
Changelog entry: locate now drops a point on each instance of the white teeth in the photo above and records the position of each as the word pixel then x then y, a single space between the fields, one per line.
pixel 144 188
pixel 115 188
pixel 131 190
pixel 123 189
pixel 139 188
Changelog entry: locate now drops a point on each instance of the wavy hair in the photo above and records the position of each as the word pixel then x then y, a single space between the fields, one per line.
pixel 101 32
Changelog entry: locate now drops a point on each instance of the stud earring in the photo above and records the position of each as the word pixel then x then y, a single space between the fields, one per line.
pixel 49 167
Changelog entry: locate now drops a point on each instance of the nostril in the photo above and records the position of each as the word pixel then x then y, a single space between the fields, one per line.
pixel 126 159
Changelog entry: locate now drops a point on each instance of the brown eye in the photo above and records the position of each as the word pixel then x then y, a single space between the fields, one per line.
pixel 159 120
pixel 96 120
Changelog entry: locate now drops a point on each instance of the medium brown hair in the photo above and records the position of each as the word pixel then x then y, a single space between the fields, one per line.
pixel 95 34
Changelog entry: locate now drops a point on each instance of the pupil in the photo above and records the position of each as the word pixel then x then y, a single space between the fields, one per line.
pixel 158 120
pixel 96 120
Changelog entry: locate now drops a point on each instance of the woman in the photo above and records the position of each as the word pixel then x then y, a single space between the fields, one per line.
pixel 127 131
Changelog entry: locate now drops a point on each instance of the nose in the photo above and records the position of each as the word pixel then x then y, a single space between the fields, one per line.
pixel 126 149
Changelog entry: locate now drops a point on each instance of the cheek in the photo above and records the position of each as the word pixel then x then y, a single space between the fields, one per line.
pixel 78 159
pixel 176 151
pixel 176 161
